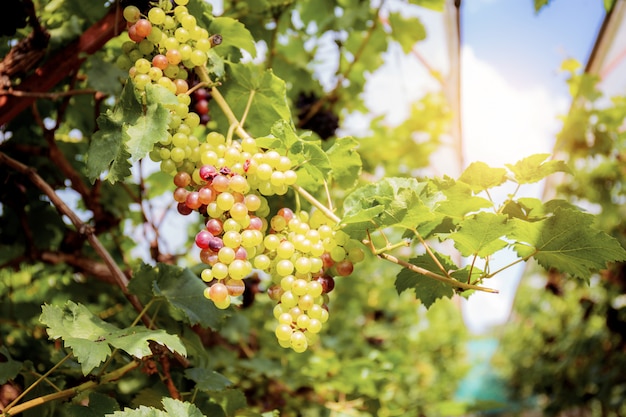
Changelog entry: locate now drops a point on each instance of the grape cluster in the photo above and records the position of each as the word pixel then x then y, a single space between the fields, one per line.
pixel 164 47
pixel 324 122
pixel 300 252
pixel 200 98
pixel 228 182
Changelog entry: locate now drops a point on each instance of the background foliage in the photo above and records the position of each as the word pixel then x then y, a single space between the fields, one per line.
pixel 103 310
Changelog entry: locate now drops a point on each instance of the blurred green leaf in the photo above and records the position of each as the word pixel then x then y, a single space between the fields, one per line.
pixel 181 289
pixel 535 168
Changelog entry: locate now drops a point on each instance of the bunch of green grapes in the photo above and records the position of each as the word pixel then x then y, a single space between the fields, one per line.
pixel 163 47
pixel 303 252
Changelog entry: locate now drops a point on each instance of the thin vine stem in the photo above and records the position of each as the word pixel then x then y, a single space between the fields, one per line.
pixel 430 252
pixel 70 392
pixel 450 281
pixel 517 261
pixel 34 384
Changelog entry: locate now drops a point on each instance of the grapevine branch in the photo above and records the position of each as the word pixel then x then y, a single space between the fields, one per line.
pixel 118 275
pixel 71 392
pixel 241 132
pixel 58 66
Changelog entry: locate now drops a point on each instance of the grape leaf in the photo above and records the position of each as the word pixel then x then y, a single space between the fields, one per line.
pixel 181 289
pixel 540 4
pixel 269 98
pixel 207 379
pixel 481 234
pixel 608 4
pixel 9 368
pixel 427 289
pixel 459 201
pixel 99 405
pixel 180 409
pixel 568 242
pixel 234 35
pixel 314 164
pixel 436 5
pixel 107 150
pixel 150 127
pixel 231 400
pixel 480 176
pixel 401 202
pixel 283 137
pixel 171 407
pixel 158 183
pixel 89 336
pixel 345 162
pixel 406 30
pixel 534 168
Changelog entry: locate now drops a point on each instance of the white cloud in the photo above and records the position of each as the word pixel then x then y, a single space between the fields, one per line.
pixel 503 123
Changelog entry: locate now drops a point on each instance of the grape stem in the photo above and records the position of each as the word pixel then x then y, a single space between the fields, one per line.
pixel 381 253
pixel 430 252
pixel 450 281
pixel 221 102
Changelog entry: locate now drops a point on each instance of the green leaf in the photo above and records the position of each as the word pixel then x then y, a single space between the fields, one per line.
pixel 230 400
pixel 234 35
pixel 437 5
pixel 180 409
pixel 534 168
pixel 459 201
pixel 150 127
pixel 570 65
pixel 286 135
pixel 171 407
pixel 481 234
pixel 567 241
pixel 181 289
pixel 314 164
pixel 142 411
pixel 99 405
pixel 427 289
pixel 389 202
pixel 207 379
pixel 269 98
pixel 540 4
pixel 89 337
pixel 406 30
pixel 158 183
pixel 480 176
pixel 107 150
pixel 345 162
pixel 9 368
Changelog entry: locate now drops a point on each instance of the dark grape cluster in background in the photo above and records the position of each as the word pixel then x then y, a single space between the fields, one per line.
pixel 324 122
pixel 200 101
pixel 14 16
